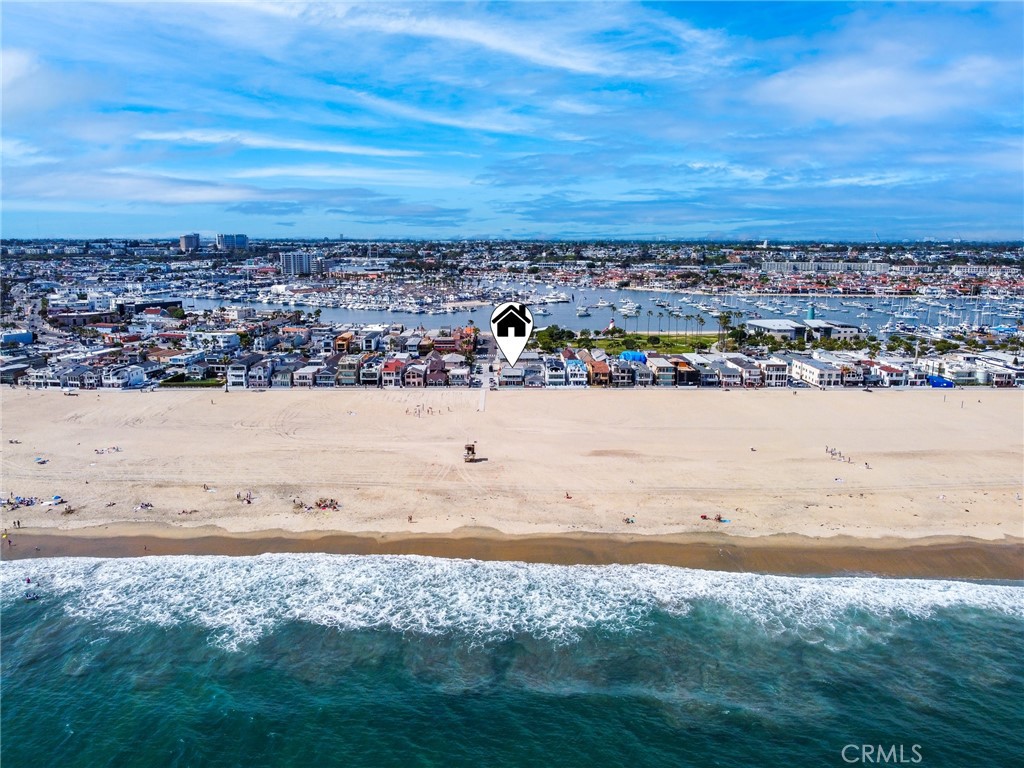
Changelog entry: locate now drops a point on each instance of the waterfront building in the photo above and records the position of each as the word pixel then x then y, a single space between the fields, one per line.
pixel 817 373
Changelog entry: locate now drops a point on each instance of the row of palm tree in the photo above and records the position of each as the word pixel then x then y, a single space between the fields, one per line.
pixel 725 320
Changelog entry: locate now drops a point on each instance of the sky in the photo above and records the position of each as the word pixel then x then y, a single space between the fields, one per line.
pixel 572 120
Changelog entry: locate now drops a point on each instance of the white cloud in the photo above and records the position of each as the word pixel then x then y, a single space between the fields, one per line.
pixel 18 152
pixel 494 36
pixel 495 120
pixel 383 176
pixel 120 187
pixel 879 84
pixel 16 64
pixel 255 141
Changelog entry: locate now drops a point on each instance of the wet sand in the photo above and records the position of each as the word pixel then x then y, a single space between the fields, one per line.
pixel 938 557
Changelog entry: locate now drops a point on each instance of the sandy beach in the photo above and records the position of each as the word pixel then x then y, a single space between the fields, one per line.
pixel 922 463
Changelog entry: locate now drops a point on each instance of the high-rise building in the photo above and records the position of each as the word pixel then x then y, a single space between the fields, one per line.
pixel 189 242
pixel 232 243
pixel 295 263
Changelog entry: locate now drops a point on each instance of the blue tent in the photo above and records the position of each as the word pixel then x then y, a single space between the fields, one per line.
pixel 633 357
pixel 938 381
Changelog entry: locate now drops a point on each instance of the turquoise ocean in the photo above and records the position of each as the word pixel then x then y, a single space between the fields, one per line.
pixel 323 660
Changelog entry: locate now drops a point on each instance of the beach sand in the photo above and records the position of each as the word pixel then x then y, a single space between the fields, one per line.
pixel 942 463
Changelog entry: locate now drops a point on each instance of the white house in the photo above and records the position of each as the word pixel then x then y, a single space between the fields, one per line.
pixel 576 373
pixel 774 372
pixel 817 373
pixel 123 377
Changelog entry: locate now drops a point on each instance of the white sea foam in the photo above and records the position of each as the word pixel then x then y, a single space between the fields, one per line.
pixel 240 599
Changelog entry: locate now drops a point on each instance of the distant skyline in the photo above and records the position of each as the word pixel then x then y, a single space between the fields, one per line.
pixel 517 120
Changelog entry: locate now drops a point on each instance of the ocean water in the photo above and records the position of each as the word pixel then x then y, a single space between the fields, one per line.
pixel 318 660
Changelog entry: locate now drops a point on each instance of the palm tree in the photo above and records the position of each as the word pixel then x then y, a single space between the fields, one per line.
pixel 650 314
pixel 700 321
pixel 660 315
pixel 687 319
pixel 723 323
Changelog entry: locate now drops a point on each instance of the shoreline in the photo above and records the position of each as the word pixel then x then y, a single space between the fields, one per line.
pixel 938 557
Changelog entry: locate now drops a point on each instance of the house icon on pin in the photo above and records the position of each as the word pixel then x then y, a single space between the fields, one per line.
pixel 513 321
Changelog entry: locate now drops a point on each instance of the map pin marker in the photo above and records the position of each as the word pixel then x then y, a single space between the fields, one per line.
pixel 512 324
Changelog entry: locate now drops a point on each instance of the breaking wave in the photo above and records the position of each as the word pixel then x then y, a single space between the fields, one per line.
pixel 238 600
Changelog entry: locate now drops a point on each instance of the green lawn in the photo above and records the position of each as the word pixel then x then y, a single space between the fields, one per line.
pixel 667 343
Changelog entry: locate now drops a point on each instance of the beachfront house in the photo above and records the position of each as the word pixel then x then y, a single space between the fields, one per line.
pixel 348 370
pixel 998 373
pixel 326 377
pixel 750 372
pixel 13 373
pixel 708 375
pixel 597 370
pixel 238 370
pixel 512 376
pixel 198 370
pixel 554 373
pixel 663 372
pixel 282 375
pixel 79 377
pixel 576 372
pixel 391 373
pixel 686 374
pixel 1005 361
pixel 260 374
pixel 621 373
pixel 435 374
pixel 123 377
pixel 728 376
pixel 152 369
pixel 306 375
pixel 459 377
pixel 369 373
pixel 817 373
pixel 41 378
pixel 642 373
pixel 892 376
pixel 414 375
pixel 957 371
pixel 774 373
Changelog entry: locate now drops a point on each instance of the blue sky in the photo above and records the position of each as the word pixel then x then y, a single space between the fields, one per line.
pixel 577 120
